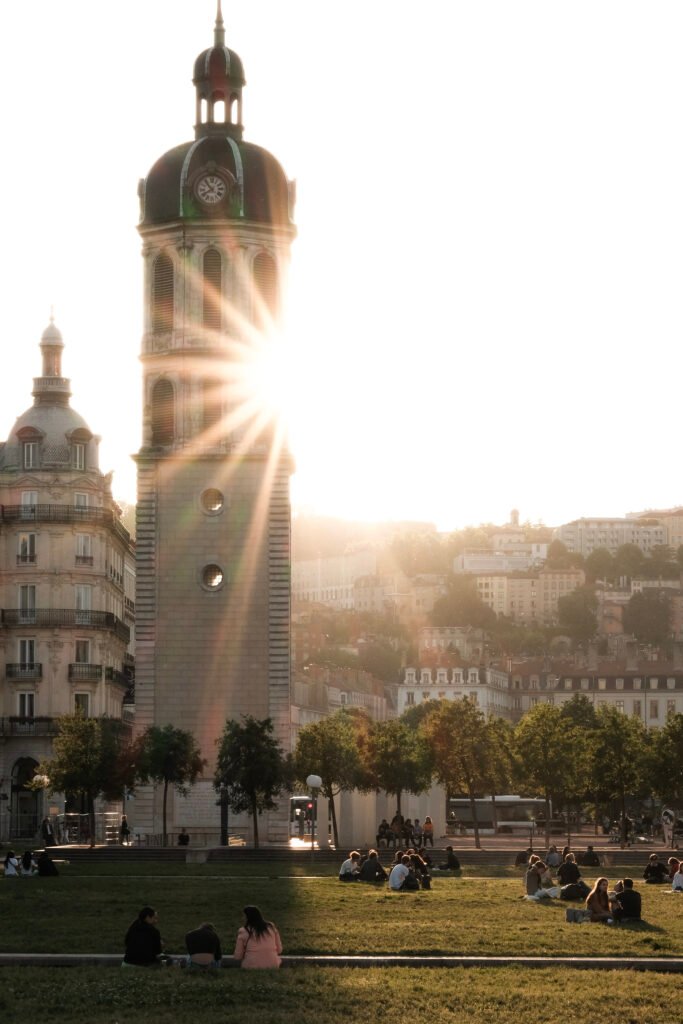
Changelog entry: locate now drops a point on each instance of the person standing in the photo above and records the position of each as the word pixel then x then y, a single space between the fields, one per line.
pixel 47 832
pixel 258 942
pixel 428 832
pixel 124 831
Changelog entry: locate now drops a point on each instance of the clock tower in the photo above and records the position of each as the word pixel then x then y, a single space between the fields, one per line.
pixel 213 515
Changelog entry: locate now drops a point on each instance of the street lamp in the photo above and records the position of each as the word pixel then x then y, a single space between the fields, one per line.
pixel 314 782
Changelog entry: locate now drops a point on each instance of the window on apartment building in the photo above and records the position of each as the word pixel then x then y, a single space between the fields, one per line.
pixel 78 455
pixel 26 705
pixel 654 710
pixel 83 594
pixel 27 602
pixel 534 701
pixel 584 684
pixel 343 698
pixel 82 652
pixel 637 684
pixel 442 694
pixel 82 704
pixel 410 698
pixel 670 708
pixel 619 705
pixel 671 684
pixel 637 709
pixel 27 651
pixel 602 684
pixel 619 684
pixel 26 550
pixel 81 499
pixel 654 683
pixel 31 451
pixel 83 549
pixel 426 695
pixel 568 684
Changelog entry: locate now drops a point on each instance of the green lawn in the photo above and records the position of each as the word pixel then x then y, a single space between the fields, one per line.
pixel 80 912
pixel 333 996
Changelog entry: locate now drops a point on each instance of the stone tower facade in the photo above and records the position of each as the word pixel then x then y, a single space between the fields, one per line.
pixel 213 513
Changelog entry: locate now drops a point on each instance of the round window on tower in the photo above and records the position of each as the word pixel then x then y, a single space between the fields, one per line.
pixel 213 577
pixel 212 501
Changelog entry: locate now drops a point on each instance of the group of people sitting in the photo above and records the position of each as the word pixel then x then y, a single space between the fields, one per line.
pixel 658 873
pixel 414 866
pixel 258 943
pixel 406 831
pixel 29 865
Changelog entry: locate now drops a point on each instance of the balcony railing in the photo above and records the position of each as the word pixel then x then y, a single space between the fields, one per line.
pixel 32 670
pixel 64 618
pixel 80 671
pixel 27 559
pixel 64 514
pixel 84 559
pixel 20 726
pixel 115 676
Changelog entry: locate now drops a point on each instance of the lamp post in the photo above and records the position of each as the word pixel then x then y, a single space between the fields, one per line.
pixel 314 782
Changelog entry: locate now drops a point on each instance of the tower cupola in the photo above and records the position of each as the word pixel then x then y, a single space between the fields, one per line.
pixel 218 79
pixel 51 388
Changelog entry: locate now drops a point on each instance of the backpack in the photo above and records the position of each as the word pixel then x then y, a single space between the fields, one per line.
pixel 572 891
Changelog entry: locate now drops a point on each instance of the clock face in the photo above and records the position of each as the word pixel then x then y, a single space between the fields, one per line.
pixel 211 189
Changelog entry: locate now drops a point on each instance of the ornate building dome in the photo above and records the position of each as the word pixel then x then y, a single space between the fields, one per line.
pixel 50 435
pixel 218 175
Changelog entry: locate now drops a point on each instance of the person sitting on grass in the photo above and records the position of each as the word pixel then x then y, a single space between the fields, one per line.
pixel 628 904
pixel 677 880
pixel 258 942
pixel 371 869
pixel 673 865
pixel 425 856
pixel 598 903
pixel 553 858
pixel 46 866
pixel 11 865
pixel 536 874
pixel 401 878
pixel 29 868
pixel 655 871
pixel 569 875
pixel 590 858
pixel 203 947
pixel 350 869
pixel 452 862
pixel 143 940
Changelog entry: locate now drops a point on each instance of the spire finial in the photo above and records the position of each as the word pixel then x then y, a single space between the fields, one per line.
pixel 219 30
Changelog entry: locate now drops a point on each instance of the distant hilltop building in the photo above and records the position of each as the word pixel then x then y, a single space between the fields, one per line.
pixel 67 590
pixel 586 535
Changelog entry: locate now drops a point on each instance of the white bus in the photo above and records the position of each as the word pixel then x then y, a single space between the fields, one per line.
pixel 512 813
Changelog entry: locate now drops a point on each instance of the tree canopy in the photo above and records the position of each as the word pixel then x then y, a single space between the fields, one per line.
pixel 251 768
pixel 170 756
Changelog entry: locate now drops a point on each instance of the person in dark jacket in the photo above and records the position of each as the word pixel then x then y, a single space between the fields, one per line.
pixel 569 874
pixel 655 871
pixel 203 947
pixel 371 870
pixel 452 862
pixel 629 904
pixel 143 940
pixel 46 867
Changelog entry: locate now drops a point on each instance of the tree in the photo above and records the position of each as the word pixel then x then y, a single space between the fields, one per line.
pixel 462 606
pixel 330 748
pixel 171 756
pixel 250 769
pixel 456 733
pixel 648 616
pixel 381 661
pixel 628 560
pixel 398 759
pixel 560 557
pixel 550 755
pixel 577 613
pixel 619 753
pixel 599 565
pixel 666 762
pixel 92 757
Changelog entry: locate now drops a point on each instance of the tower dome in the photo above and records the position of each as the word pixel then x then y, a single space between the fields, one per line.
pixel 50 435
pixel 218 175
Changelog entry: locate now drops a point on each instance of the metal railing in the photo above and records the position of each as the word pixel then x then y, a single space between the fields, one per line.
pixel 114 675
pixel 64 514
pixel 18 725
pixel 32 670
pixel 66 618
pixel 27 559
pixel 80 670
pixel 84 560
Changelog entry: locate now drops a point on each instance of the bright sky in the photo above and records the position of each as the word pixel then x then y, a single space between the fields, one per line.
pixel 485 302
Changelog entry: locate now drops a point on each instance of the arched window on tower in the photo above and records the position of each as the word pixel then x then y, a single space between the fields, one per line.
pixel 265 281
pixel 162 294
pixel 163 413
pixel 234 110
pixel 211 312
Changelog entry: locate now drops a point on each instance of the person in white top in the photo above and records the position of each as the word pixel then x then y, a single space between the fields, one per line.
pixel 350 869
pixel 401 877
pixel 11 865
pixel 677 881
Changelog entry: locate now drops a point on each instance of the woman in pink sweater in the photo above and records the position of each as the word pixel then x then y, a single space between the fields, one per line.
pixel 258 942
